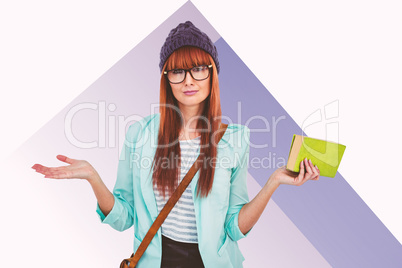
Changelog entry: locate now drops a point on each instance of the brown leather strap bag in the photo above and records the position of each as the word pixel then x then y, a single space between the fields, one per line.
pixel 133 260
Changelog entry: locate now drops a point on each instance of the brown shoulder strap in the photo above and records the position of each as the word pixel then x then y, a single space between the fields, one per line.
pixel 133 260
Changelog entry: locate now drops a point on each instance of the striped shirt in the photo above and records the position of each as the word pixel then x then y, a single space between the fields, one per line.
pixel 180 224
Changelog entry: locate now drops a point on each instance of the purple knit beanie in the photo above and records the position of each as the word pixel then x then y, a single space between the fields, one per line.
pixel 186 34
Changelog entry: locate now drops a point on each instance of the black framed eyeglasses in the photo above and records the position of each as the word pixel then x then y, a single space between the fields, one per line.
pixel 199 73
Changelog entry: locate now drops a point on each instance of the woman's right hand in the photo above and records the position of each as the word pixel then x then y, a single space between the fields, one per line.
pixel 77 169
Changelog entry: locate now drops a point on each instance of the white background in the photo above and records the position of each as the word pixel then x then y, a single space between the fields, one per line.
pixel 306 53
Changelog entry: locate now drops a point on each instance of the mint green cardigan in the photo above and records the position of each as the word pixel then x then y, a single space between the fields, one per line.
pixel 216 215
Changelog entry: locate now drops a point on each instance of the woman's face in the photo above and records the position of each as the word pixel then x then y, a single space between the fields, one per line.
pixel 201 89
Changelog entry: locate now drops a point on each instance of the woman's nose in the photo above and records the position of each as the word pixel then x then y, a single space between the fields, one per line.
pixel 188 80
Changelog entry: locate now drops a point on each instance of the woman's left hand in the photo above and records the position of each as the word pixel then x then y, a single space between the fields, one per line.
pixel 307 172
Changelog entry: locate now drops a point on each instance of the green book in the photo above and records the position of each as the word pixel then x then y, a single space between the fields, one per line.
pixel 325 154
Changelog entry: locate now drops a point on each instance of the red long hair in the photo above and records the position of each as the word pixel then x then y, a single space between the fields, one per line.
pixel 166 174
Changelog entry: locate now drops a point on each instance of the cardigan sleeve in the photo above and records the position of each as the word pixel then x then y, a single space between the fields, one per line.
pixel 121 215
pixel 238 188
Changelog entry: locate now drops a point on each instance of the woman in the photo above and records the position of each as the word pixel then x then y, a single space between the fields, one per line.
pixel 214 212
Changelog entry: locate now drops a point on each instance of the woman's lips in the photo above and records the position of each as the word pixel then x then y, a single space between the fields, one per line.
pixel 190 92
